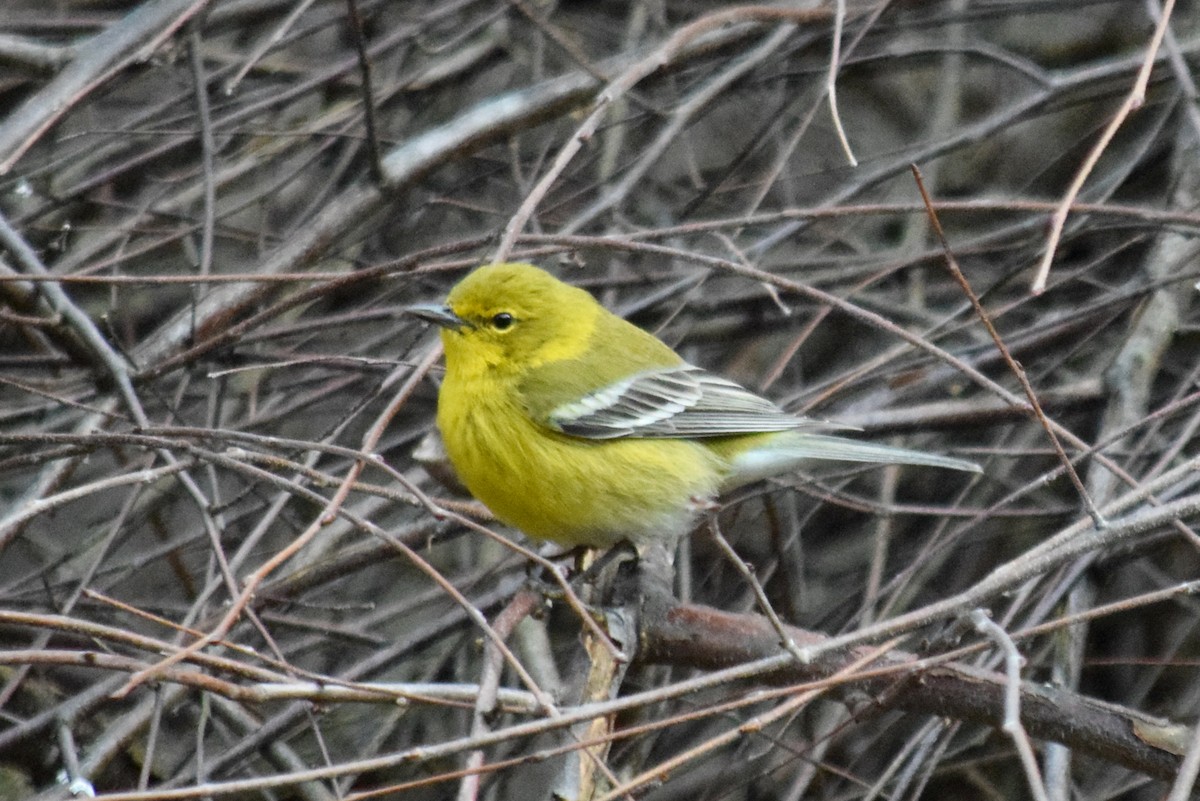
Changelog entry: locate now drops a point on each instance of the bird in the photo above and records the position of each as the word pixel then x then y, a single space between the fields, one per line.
pixel 577 427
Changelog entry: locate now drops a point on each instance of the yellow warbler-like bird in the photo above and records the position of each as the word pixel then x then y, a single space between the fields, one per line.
pixel 578 427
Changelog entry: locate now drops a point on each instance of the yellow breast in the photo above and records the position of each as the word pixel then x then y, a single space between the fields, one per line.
pixel 568 490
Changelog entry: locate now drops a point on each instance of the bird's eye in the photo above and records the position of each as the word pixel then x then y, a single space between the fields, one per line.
pixel 502 321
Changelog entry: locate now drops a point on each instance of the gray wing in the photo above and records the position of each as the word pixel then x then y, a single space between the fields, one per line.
pixel 677 401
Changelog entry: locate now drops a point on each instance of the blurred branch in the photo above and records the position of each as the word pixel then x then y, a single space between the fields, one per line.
pixel 133 39
pixel 21 50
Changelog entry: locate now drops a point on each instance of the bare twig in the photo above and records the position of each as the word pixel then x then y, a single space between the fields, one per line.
pixel 1133 101
pixel 1017 370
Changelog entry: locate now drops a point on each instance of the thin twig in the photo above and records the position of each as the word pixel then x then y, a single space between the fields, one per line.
pixel 1012 701
pixel 764 604
pixel 835 57
pixel 1133 101
pixel 1013 365
pixel 368 90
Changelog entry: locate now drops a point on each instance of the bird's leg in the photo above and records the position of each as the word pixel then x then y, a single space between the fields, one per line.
pixel 539 578
pixel 599 572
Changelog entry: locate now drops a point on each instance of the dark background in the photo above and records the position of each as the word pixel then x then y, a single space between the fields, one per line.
pixel 237 245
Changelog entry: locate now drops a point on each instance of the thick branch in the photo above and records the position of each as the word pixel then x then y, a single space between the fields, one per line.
pixel 702 637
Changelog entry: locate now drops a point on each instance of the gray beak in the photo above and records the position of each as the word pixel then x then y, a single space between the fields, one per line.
pixel 437 314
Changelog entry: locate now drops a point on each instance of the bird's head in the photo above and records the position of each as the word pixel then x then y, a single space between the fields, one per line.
pixel 511 317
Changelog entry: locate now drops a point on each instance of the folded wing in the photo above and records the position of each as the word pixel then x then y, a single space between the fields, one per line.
pixel 676 401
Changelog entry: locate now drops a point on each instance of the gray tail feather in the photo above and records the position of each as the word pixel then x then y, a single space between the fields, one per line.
pixel 852 450
pixel 802 447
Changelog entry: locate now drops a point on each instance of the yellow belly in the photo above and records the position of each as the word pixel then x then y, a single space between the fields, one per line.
pixel 570 490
